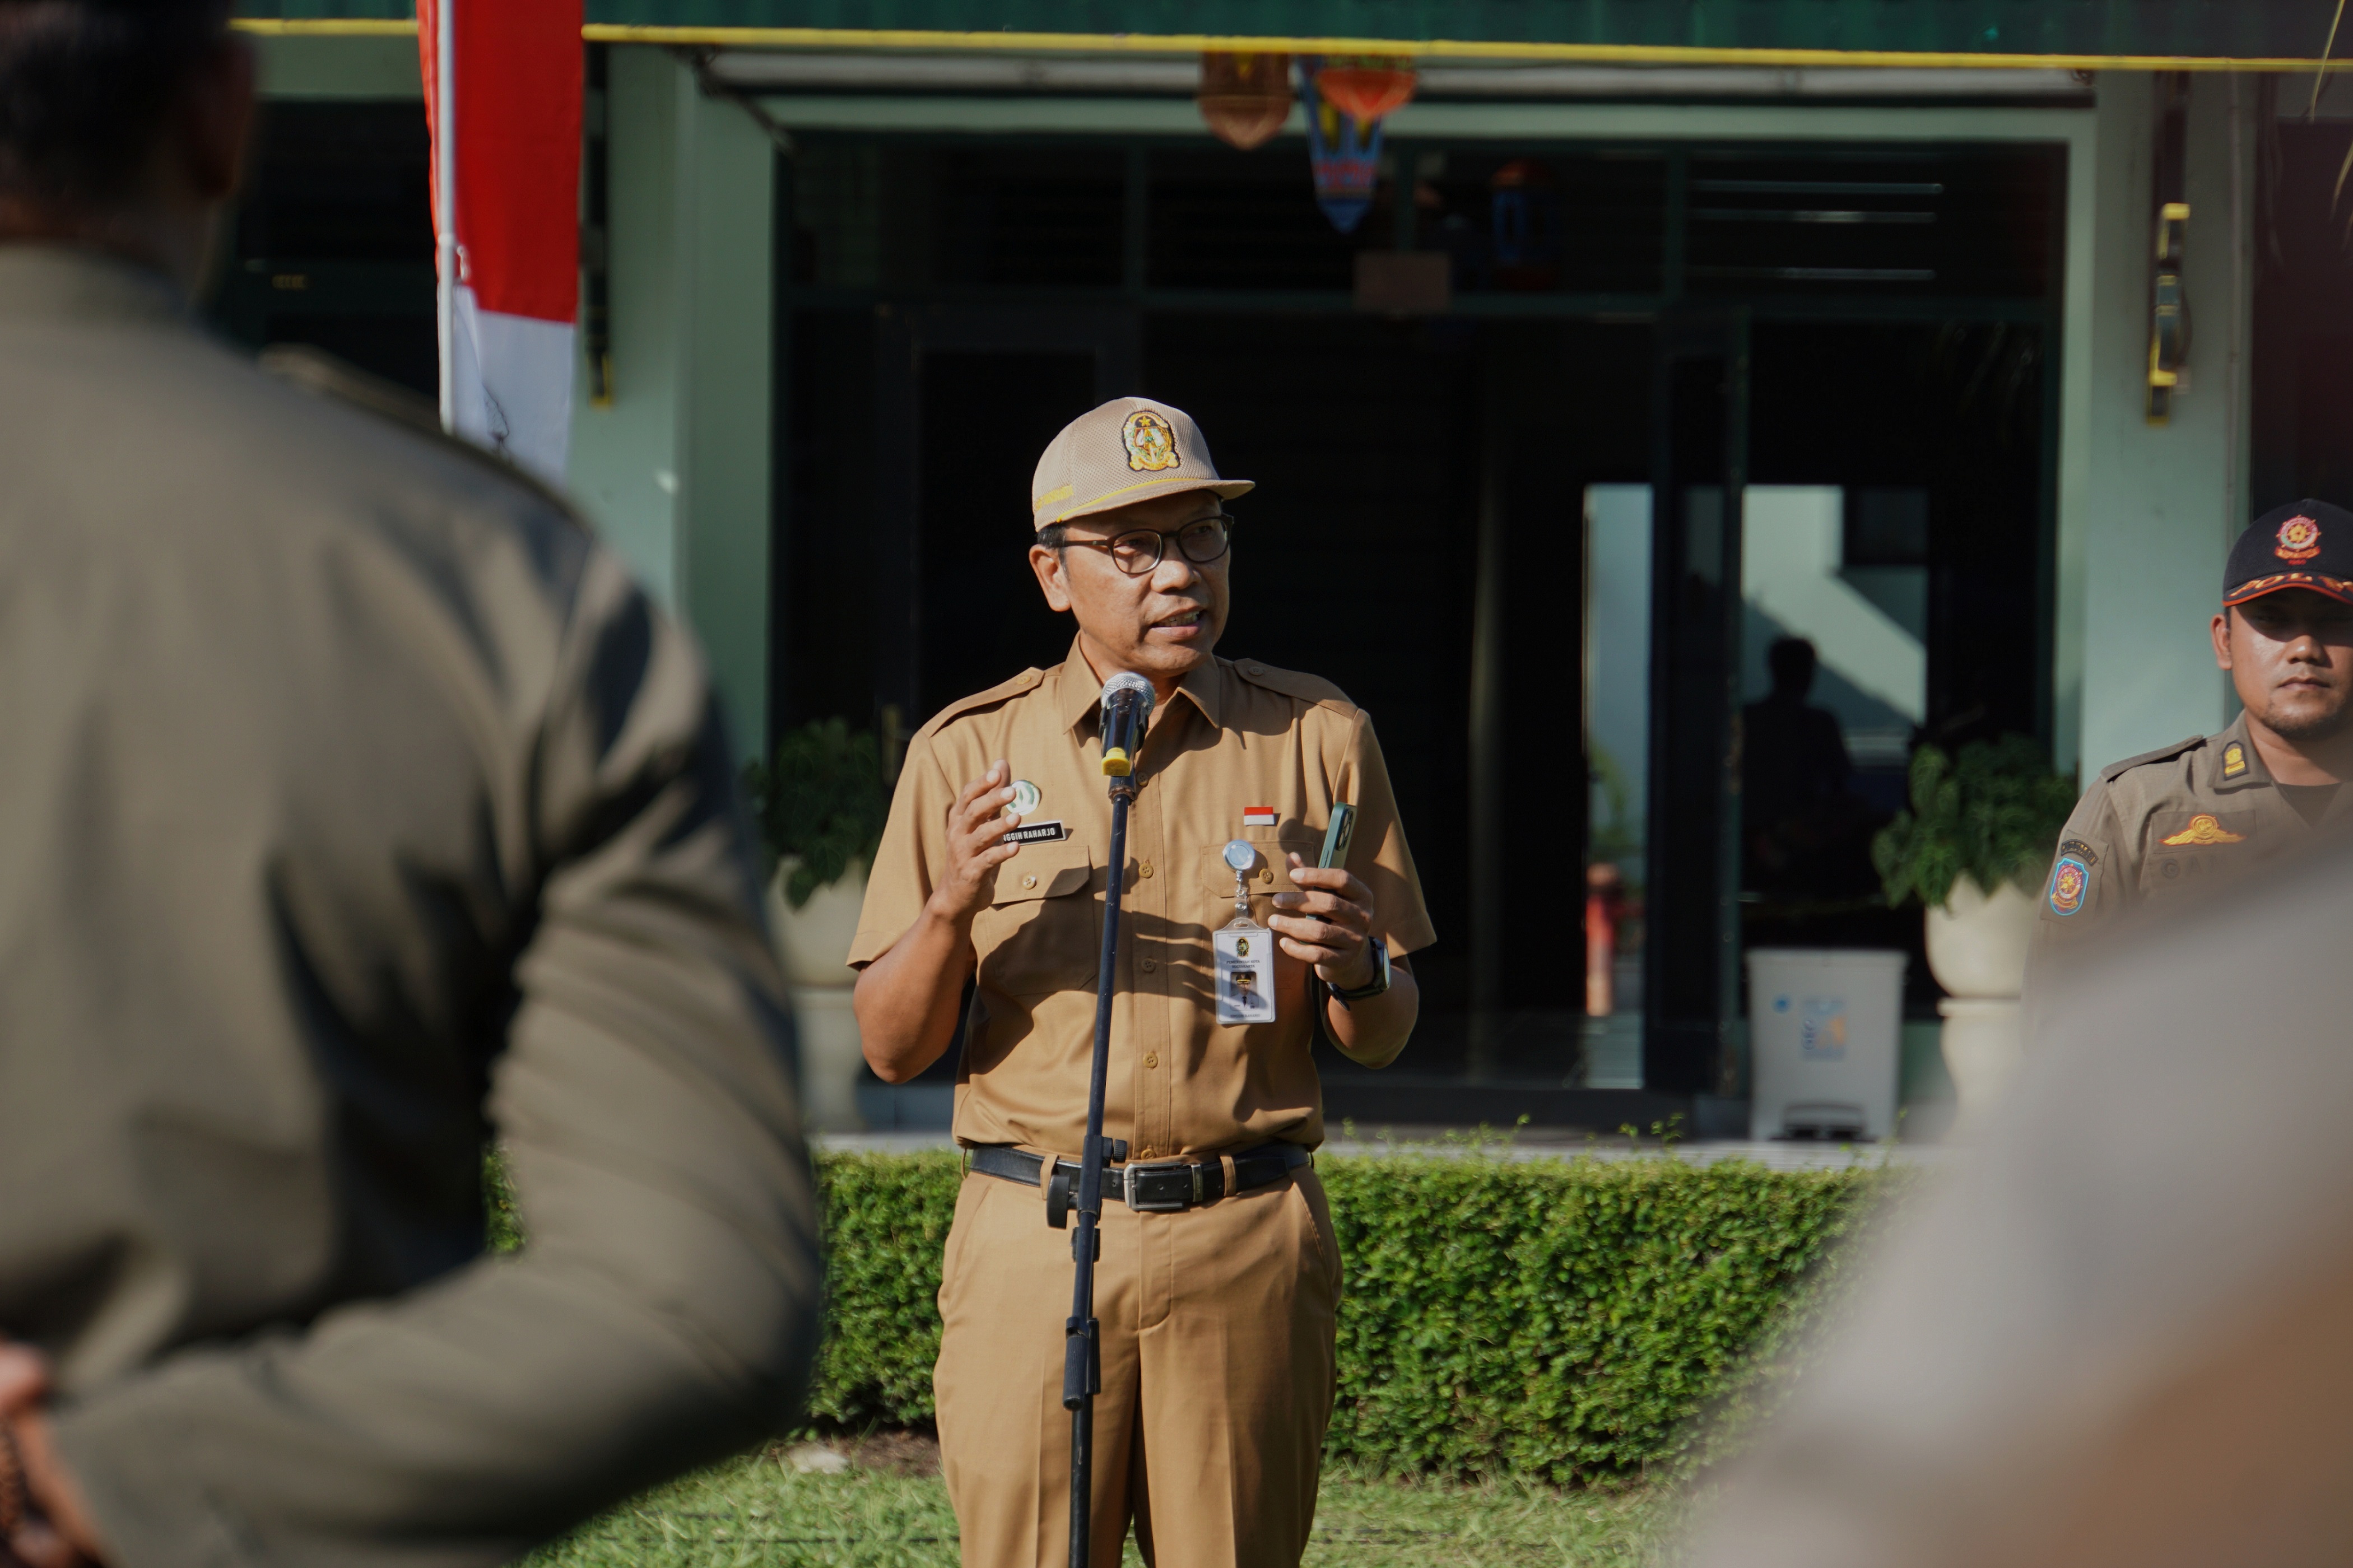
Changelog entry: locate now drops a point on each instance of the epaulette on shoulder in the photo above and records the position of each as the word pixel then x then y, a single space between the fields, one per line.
pixel 324 376
pixel 1027 680
pixel 2162 754
pixel 1310 688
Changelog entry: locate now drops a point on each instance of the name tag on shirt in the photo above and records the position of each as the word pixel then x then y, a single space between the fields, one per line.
pixel 1245 974
pixel 1037 833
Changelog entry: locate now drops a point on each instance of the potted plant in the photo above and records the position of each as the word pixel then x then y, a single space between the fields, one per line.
pixel 1973 850
pixel 821 806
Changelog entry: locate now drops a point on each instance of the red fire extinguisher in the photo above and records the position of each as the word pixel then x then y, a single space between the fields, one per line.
pixel 1601 899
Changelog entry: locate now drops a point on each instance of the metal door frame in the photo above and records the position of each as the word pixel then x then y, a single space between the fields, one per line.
pixel 1691 972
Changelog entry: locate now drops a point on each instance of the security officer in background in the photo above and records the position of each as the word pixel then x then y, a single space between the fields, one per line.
pixel 1217 1305
pixel 354 800
pixel 2186 817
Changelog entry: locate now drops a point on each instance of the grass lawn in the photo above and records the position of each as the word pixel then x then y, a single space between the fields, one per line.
pixel 887 1512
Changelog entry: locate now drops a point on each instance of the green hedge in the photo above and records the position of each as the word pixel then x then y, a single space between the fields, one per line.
pixel 1560 1318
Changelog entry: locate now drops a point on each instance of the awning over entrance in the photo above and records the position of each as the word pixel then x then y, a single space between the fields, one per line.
pixel 2278 34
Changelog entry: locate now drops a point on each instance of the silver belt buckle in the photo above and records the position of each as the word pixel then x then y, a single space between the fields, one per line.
pixel 1160 1187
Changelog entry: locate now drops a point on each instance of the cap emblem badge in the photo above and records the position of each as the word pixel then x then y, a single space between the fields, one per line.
pixel 2070 880
pixel 2299 538
pixel 2203 829
pixel 1151 444
pixel 2235 759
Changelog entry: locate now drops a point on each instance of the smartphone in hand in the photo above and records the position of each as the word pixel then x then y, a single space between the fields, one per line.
pixel 1343 828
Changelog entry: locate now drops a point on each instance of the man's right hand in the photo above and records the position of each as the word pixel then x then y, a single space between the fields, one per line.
pixel 976 829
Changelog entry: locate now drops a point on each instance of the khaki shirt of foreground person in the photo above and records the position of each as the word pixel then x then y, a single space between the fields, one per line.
pixel 2113 1334
pixel 352 790
pixel 1236 735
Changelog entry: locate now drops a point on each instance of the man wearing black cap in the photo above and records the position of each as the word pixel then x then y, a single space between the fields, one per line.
pixel 2188 815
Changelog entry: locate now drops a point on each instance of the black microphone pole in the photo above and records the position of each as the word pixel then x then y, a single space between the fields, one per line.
pixel 1125 712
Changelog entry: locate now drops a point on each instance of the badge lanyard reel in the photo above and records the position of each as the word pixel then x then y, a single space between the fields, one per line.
pixel 1127 709
pixel 1245 951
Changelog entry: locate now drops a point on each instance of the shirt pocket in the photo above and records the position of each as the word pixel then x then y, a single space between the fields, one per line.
pixel 1039 933
pixel 1268 874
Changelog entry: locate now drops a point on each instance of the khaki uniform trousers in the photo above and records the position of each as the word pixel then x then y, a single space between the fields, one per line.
pixel 1216 1332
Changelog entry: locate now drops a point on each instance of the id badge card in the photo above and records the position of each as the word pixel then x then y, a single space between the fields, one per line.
pixel 1245 974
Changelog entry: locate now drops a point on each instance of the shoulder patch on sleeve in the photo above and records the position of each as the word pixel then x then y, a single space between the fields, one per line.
pixel 2162 754
pixel 1027 680
pixel 1310 688
pixel 2071 882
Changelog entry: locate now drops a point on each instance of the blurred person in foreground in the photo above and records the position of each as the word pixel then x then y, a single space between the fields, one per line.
pixel 2184 818
pixel 2114 1337
pixel 355 801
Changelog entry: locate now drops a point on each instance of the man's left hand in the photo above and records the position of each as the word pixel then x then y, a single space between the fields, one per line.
pixel 1327 923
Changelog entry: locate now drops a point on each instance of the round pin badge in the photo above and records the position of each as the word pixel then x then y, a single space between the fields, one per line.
pixel 1241 854
pixel 1025 800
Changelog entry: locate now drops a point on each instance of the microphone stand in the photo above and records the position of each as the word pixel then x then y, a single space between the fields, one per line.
pixel 1081 1344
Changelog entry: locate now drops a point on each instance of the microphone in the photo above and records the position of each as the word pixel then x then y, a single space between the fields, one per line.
pixel 1127 709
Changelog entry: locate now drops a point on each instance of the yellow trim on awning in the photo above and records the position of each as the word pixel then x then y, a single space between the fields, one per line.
pixel 272 28
pixel 1427 49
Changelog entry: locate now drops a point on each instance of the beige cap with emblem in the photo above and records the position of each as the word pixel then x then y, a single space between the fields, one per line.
pixel 1128 450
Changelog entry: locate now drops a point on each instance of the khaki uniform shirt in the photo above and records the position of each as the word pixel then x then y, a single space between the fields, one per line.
pixel 1235 735
pixel 356 804
pixel 2161 827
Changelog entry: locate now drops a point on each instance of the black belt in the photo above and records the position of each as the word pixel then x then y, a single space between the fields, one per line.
pixel 1148 1186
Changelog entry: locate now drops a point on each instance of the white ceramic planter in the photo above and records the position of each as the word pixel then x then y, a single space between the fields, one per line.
pixel 813 943
pixel 1977 944
pixel 814 940
pixel 1977 950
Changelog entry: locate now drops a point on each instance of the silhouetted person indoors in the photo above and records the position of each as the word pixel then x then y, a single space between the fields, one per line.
pixel 1799 817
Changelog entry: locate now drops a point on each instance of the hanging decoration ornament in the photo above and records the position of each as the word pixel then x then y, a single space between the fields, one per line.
pixel 1366 89
pixel 1346 99
pixel 1245 98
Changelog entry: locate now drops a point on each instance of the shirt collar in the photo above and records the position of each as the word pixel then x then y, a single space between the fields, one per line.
pixel 45 280
pixel 1080 694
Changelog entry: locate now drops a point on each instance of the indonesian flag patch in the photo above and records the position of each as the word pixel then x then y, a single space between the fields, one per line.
pixel 1257 817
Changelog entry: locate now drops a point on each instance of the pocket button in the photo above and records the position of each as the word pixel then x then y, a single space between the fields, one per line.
pixel 1028 881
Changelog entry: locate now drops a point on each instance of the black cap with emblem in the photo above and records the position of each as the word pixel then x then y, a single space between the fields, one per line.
pixel 2303 544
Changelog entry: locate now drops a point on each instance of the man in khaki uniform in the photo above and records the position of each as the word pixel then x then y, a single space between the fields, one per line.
pixel 2186 817
pixel 356 803
pixel 1217 1302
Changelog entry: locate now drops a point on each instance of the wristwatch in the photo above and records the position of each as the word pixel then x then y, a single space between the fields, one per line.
pixel 1375 987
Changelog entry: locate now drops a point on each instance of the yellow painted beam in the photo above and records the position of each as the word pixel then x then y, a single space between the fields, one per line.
pixel 1426 48
pixel 270 28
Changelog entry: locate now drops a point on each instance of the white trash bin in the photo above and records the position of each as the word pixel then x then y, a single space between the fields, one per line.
pixel 1824 1032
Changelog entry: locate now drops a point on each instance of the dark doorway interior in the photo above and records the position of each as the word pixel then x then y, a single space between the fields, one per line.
pixel 2301 436
pixel 331 245
pixel 1935 434
pixel 1420 533
pixel 985 418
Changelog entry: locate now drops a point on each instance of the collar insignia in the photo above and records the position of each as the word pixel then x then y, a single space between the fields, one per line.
pixel 2299 538
pixel 2203 829
pixel 2235 759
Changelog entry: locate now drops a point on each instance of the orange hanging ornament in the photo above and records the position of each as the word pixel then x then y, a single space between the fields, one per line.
pixel 1366 89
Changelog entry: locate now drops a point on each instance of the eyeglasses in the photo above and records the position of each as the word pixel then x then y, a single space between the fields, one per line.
pixel 1141 549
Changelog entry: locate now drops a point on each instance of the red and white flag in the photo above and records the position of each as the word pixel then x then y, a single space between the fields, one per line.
pixel 502 90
